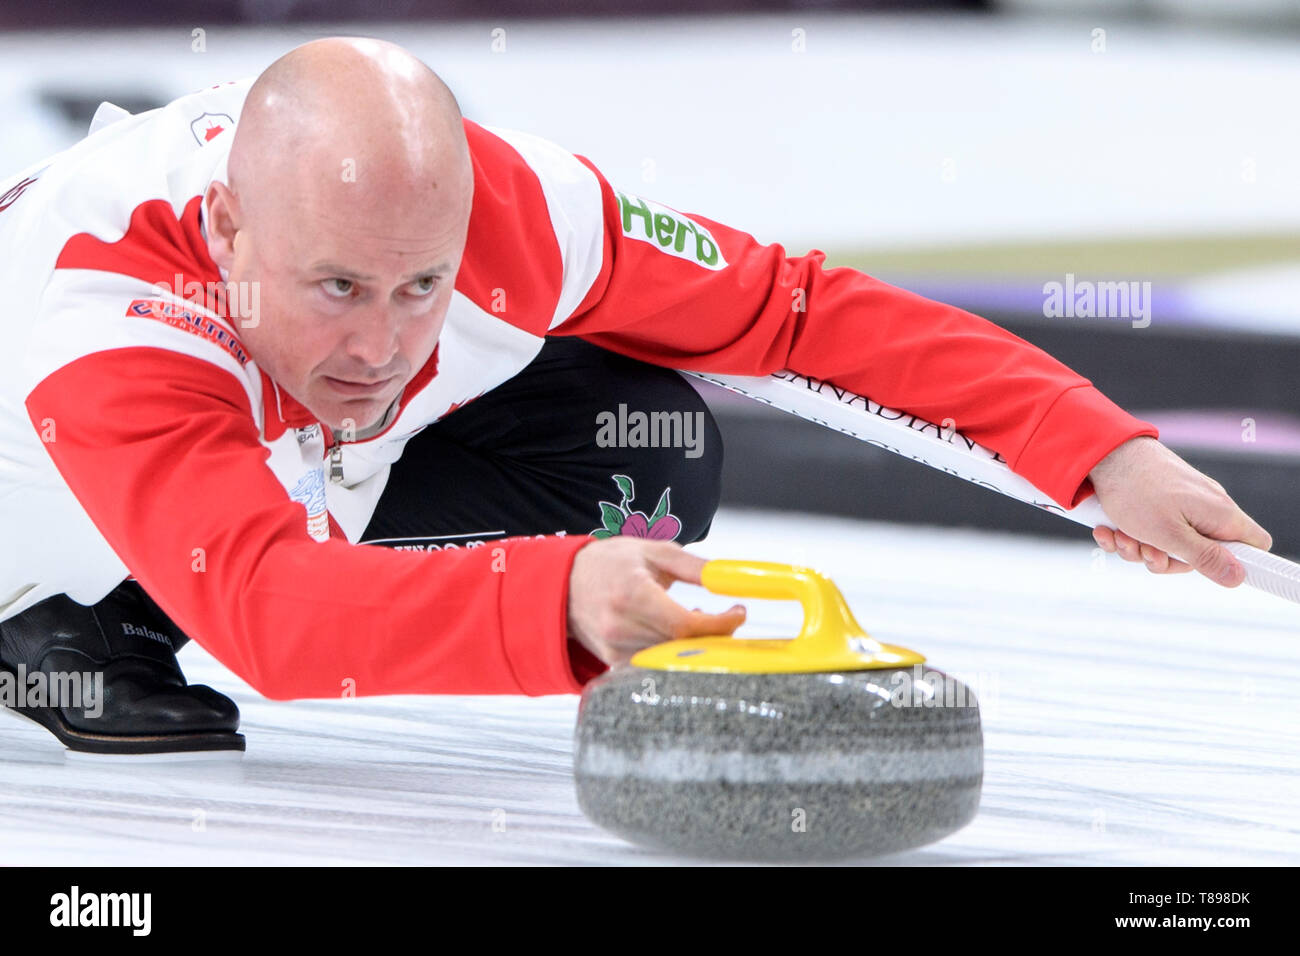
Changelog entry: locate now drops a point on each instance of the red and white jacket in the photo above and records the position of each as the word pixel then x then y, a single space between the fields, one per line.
pixel 138 437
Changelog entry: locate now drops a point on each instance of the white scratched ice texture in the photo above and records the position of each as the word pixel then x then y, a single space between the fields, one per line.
pixel 1129 719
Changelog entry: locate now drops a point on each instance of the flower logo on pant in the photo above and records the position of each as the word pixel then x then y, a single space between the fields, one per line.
pixel 621 519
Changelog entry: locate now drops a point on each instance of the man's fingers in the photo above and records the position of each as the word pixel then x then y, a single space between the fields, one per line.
pixel 1156 560
pixel 1206 555
pixel 1204 548
pixel 1203 554
pixel 1159 562
pixel 671 563
pixel 1251 532
pixel 1223 520
pixel 697 623
pixel 1128 547
pixel 659 618
pixel 1215 561
pixel 666 620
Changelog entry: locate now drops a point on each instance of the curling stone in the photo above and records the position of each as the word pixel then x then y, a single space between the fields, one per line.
pixel 830 745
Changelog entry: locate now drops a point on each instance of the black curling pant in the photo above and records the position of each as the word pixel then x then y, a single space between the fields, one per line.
pixel 581 441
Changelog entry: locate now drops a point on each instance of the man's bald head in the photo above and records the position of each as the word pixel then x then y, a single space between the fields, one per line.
pixel 347 204
pixel 348 112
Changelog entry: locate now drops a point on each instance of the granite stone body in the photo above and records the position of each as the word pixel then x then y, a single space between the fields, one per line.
pixel 779 766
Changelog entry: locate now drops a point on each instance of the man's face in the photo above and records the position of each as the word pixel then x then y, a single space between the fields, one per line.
pixel 351 299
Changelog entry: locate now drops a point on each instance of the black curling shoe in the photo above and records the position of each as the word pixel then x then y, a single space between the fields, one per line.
pixel 51 654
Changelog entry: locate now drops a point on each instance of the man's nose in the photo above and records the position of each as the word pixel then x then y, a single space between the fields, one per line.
pixel 374 339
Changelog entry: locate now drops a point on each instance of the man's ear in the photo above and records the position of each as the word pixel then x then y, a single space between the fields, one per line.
pixel 223 224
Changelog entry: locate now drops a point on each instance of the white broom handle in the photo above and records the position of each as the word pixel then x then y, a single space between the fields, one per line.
pixel 941 446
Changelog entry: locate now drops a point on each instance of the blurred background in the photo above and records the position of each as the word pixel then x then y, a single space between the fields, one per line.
pixel 972 151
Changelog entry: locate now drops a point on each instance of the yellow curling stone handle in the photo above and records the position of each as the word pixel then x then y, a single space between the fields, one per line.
pixel 831 639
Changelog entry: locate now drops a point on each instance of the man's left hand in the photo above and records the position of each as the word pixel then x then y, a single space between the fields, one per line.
pixel 1163 506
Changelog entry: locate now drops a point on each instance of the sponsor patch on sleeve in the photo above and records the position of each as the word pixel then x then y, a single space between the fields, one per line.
pixel 196 323
pixel 668 231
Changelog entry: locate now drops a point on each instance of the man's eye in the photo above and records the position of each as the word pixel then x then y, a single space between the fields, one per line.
pixel 338 288
pixel 424 285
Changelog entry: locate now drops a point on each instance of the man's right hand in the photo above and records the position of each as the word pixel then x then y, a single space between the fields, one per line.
pixel 619 603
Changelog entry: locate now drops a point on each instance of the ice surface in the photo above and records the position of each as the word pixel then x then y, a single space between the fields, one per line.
pixel 885 131
pixel 1129 719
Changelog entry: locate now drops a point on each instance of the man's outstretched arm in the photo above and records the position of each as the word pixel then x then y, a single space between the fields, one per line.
pixel 161 451
pixel 689 292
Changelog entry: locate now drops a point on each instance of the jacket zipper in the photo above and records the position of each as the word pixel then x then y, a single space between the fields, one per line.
pixel 336 462
pixel 336 446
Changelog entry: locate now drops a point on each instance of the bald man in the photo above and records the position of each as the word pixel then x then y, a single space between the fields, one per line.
pixel 344 386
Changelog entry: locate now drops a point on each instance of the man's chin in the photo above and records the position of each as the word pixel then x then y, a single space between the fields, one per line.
pixel 357 423
pixel 352 417
pixel 344 413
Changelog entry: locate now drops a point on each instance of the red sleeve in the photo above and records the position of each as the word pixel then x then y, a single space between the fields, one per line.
pixel 764 311
pixel 162 453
